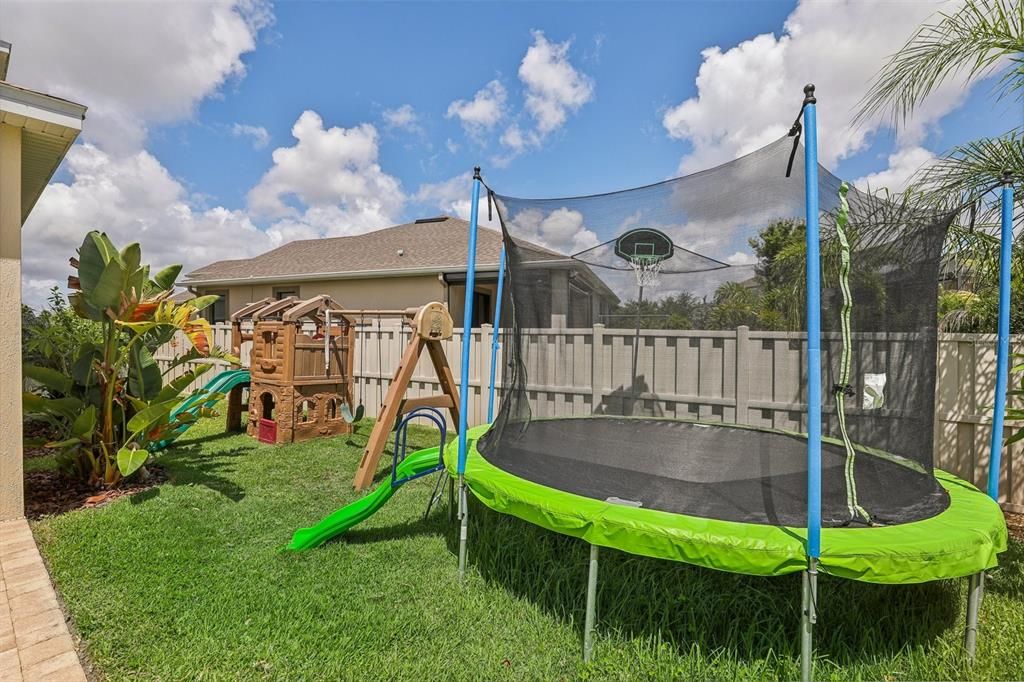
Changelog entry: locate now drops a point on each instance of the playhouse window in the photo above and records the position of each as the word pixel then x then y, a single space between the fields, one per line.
pixel 267 407
pixel 332 408
pixel 306 410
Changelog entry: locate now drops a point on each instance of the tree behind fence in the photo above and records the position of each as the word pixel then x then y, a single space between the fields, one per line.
pixel 737 376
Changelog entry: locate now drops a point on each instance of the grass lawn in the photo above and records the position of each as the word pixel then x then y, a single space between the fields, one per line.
pixel 187 581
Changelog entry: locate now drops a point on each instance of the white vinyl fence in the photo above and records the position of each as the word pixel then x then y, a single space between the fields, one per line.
pixel 742 376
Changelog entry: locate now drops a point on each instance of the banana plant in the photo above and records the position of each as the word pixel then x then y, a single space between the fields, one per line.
pixel 116 402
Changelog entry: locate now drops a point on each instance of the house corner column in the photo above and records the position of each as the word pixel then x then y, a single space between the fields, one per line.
pixel 12 500
pixel 559 299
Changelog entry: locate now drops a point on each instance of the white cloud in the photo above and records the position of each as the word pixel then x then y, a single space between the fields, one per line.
pixel 516 139
pixel 561 230
pixel 403 118
pixel 741 258
pixel 554 88
pixel 903 164
pixel 260 136
pixel 452 146
pixel 749 94
pixel 483 112
pixel 132 64
pixel 131 198
pixel 334 173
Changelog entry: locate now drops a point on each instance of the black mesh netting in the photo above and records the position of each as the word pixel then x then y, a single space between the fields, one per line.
pixel 688 395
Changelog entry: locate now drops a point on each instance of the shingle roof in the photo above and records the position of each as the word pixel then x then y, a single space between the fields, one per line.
pixel 439 244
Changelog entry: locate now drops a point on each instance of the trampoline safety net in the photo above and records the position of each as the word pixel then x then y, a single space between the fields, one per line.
pixel 654 347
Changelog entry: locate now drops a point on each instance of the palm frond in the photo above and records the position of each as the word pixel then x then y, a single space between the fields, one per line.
pixel 968 172
pixel 975 40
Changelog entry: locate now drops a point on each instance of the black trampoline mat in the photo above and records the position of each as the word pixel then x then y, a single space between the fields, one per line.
pixel 716 471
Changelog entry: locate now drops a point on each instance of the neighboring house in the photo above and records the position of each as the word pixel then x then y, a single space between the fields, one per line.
pixel 400 267
pixel 36 131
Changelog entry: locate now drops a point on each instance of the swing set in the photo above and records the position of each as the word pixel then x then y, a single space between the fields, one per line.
pixel 430 325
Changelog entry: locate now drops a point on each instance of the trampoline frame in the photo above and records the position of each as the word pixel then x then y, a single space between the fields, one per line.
pixel 809 583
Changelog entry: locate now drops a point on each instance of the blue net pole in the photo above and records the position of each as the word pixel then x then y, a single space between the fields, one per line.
pixel 467 321
pixel 1003 338
pixel 495 343
pixel 813 327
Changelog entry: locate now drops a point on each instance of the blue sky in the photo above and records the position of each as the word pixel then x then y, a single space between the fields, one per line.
pixel 601 96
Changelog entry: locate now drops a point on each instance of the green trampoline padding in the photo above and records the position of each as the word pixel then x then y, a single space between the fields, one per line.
pixel 960 541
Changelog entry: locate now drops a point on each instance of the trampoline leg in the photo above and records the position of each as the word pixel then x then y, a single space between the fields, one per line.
pixel 809 616
pixel 588 623
pixel 463 527
pixel 452 513
pixel 975 590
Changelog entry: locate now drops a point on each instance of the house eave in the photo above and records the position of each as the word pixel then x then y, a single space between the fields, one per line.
pixel 18 102
pixel 320 276
pixel 49 125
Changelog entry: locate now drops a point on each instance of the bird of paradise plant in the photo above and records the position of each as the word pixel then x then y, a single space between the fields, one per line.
pixel 115 403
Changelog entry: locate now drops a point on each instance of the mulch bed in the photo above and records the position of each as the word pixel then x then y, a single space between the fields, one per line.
pixel 51 492
pixel 1015 525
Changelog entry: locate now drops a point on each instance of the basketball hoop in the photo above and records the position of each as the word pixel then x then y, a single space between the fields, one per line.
pixel 646 250
pixel 647 269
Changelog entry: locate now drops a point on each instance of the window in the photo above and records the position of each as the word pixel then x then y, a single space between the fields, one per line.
pixel 482 310
pixel 267 407
pixel 285 292
pixel 580 307
pixel 332 409
pixel 218 312
pixel 269 340
pixel 306 411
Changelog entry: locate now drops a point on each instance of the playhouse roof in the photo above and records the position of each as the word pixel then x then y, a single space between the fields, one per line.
pixel 426 246
pixel 289 309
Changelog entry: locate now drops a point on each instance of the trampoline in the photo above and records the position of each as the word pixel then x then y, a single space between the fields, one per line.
pixel 734 369
pixel 958 532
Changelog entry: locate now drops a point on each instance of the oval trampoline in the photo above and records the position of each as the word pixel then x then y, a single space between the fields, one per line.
pixel 667 489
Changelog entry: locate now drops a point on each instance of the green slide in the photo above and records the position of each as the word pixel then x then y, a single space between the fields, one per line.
pixel 363 508
pixel 221 384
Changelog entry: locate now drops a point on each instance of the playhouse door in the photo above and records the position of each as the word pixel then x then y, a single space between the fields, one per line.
pixel 267 432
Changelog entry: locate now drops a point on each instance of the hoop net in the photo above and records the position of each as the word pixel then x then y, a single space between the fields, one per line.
pixel 646 268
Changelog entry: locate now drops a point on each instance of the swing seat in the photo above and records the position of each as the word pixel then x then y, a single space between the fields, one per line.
pixel 347 415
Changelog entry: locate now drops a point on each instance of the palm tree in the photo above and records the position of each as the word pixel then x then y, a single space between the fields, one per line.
pixel 982 38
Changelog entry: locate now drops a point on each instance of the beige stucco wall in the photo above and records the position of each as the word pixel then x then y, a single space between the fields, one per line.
pixel 391 292
pixel 12 504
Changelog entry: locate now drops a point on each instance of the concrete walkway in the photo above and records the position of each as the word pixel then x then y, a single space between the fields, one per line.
pixel 34 640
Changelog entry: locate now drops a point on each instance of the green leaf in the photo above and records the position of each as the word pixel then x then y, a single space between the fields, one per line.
pixel 107 292
pixel 166 278
pixel 185 417
pixel 64 407
pixel 152 414
pixel 203 302
pixel 83 308
pixel 84 423
pixel 91 261
pixel 70 442
pixel 50 378
pixel 81 370
pixel 139 328
pixel 131 256
pixel 130 459
pixel 173 389
pixel 144 378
